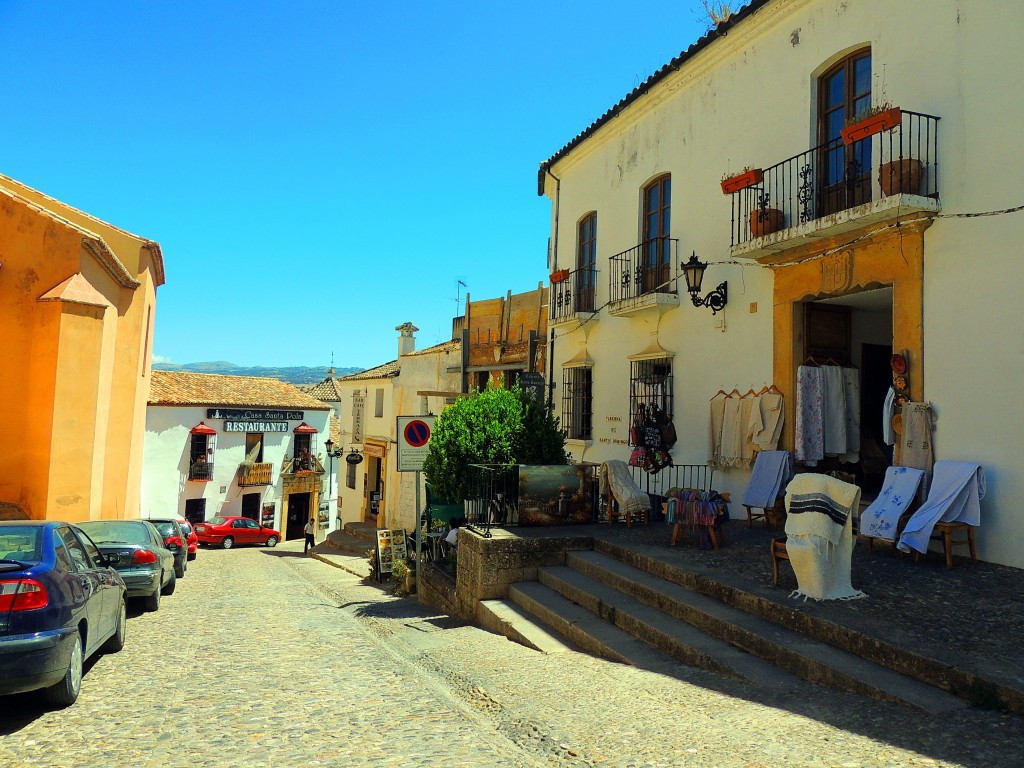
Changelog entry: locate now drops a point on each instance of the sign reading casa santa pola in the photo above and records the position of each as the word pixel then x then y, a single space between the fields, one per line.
pixel 253 415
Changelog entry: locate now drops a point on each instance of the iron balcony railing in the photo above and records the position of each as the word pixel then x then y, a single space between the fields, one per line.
pixel 834 177
pixel 576 293
pixel 302 465
pixel 256 474
pixel 646 268
pixel 201 471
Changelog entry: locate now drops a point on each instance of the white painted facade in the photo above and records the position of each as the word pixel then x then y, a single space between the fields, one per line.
pixel 165 483
pixel 748 99
pixel 397 388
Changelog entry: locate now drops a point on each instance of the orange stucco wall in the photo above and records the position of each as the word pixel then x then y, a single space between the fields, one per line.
pixel 76 376
pixel 892 258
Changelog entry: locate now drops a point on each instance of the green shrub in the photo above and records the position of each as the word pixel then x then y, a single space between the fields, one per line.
pixel 495 426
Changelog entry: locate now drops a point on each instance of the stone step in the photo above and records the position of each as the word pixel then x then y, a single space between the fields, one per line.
pixel 504 617
pixel 667 635
pixel 346 542
pixel 787 649
pixel 585 630
pixel 365 531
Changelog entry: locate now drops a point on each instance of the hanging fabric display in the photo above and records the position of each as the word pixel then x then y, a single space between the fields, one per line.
pixel 653 435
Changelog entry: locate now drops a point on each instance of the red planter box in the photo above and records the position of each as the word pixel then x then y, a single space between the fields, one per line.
pixel 744 180
pixel 869 126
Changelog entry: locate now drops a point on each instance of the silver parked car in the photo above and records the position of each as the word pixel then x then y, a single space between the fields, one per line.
pixel 136 549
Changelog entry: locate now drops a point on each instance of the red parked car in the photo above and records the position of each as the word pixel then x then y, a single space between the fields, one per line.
pixel 191 539
pixel 228 531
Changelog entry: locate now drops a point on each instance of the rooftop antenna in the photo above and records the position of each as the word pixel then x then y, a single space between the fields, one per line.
pixel 458 290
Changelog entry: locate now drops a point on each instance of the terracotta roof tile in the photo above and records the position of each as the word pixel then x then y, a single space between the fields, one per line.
pixel 386 371
pixel 451 345
pixel 326 390
pixel 179 388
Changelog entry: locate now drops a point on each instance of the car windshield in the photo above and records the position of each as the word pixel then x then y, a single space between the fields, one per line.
pixel 185 528
pixel 116 532
pixel 166 527
pixel 22 543
pixel 218 521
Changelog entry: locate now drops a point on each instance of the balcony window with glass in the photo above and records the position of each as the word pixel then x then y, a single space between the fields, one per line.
pixel 650 389
pixel 657 228
pixel 202 440
pixel 844 171
pixel 586 263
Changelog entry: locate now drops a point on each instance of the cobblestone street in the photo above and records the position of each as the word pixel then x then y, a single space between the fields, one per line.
pixel 265 657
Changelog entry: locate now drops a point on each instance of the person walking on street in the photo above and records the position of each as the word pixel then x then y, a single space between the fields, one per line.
pixel 310 541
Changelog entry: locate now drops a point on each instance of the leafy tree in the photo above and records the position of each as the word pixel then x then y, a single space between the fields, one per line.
pixel 494 426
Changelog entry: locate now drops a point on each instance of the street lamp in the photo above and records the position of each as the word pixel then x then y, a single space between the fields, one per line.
pixel 332 454
pixel 693 271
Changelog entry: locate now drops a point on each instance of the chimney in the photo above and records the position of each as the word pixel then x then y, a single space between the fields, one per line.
pixel 406 340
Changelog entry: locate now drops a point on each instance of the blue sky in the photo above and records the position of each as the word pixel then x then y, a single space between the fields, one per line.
pixel 317 172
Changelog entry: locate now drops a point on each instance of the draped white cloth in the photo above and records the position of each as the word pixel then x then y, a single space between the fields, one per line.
pixel 809 427
pixel 615 476
pixel 898 489
pixel 834 402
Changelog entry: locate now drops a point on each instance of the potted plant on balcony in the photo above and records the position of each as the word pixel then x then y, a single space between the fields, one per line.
pixel 882 117
pixel 559 275
pixel 900 176
pixel 748 177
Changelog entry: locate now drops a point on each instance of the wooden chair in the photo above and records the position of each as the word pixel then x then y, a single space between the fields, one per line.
pixel 945 531
pixel 779 552
pixel 615 511
pixel 773 516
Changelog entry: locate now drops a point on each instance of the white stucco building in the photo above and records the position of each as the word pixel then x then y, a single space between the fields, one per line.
pixel 417 382
pixel 850 271
pixel 235 445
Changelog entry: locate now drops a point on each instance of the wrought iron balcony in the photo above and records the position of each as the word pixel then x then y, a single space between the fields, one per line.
pixel 257 474
pixel 302 465
pixel 646 270
pixel 834 177
pixel 576 293
pixel 201 471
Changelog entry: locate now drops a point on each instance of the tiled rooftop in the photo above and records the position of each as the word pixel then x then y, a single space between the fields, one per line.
pixel 178 388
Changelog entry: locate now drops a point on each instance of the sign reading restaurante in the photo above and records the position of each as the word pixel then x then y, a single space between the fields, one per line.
pixel 255 415
pixel 255 426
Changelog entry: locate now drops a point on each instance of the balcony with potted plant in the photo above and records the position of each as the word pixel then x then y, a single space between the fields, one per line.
pixel 884 165
pixel 572 295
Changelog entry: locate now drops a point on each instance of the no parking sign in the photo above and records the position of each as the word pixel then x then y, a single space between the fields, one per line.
pixel 413 441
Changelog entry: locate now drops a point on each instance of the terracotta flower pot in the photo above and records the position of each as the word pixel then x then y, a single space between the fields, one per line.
pixel 872 124
pixel 765 222
pixel 900 176
pixel 742 181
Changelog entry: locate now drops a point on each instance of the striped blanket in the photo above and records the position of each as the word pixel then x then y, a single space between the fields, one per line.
pixel 819 536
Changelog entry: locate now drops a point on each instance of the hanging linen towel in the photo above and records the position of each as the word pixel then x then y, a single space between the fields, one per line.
pixel 810 447
pixel 717 417
pixel 766 421
pixel 851 388
pixel 916 440
pixel 746 439
pixel 819 536
pixel 615 475
pixel 898 489
pixel 888 433
pixel 834 399
pixel 772 470
pixel 732 433
pixel 955 496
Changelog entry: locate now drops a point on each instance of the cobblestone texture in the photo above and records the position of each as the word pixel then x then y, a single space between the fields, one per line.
pixel 266 657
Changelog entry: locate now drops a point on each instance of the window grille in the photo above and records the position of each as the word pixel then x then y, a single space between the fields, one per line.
pixel 577 402
pixel 650 384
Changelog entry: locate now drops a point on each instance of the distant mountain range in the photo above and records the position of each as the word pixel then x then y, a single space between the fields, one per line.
pixel 298 375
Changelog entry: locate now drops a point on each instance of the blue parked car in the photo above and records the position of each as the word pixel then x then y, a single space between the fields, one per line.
pixel 60 602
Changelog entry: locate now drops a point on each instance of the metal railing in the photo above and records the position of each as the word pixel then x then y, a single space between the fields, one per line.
pixel 646 268
pixel 834 176
pixel 257 474
pixel 695 477
pixel 576 293
pixel 201 471
pixel 300 464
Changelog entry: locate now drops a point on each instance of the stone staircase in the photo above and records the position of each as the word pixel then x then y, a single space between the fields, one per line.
pixel 347 548
pixel 647 614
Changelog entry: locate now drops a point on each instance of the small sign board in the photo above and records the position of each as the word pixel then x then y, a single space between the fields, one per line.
pixel 390 547
pixel 532 383
pixel 413 441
